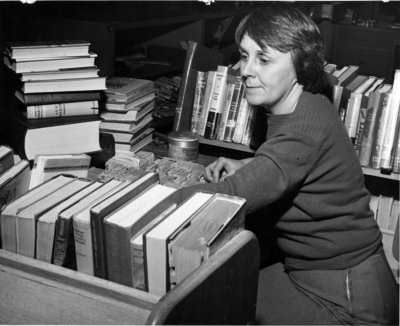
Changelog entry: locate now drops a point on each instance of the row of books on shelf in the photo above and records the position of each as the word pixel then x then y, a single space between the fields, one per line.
pixel 369 108
pixel 61 99
pixel 220 108
pixel 139 232
pixel 386 211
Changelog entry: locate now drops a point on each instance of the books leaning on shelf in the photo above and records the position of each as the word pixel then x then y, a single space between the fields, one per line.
pixel 46 167
pixel 221 218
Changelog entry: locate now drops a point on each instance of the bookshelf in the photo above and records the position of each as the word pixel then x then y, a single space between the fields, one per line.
pixel 34 292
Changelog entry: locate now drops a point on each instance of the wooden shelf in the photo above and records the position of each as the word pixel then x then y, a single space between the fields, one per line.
pixel 379 174
pixel 223 144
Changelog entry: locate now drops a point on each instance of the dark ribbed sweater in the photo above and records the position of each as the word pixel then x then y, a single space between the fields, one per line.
pixel 308 171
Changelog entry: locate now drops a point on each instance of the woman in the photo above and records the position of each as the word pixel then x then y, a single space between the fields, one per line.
pixel 307 176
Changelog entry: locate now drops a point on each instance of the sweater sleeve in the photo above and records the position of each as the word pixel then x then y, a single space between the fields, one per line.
pixel 279 167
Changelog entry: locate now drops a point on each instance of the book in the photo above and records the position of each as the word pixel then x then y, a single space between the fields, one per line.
pixel 241 120
pixel 376 152
pixel 373 110
pixel 197 58
pixel 136 103
pixel 126 221
pixel 137 251
pixel 42 111
pixel 212 226
pixel 230 89
pixel 348 75
pixel 346 93
pixel 129 126
pixel 383 211
pixel 124 89
pixel 237 97
pixel 354 105
pixel 205 104
pixel 14 182
pixel 248 129
pixel 60 97
pixel 99 211
pixel 6 158
pixel 46 224
pixel 155 242
pixel 83 233
pixel 393 122
pixel 130 115
pixel 377 83
pixel 89 72
pixel 217 100
pixel 28 216
pixel 46 167
pixel 396 154
pixel 61 135
pixel 64 85
pixel 198 99
pixel 64 242
pixel 340 71
pixel 49 63
pixel 8 214
pixel 40 49
pixel 136 143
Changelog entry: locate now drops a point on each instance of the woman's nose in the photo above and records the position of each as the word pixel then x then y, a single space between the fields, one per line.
pixel 247 69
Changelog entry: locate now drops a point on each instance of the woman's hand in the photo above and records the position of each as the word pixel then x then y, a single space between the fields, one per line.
pixel 223 167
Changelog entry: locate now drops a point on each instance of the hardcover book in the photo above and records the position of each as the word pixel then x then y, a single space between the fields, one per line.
pixel 46 167
pixel 125 89
pixel 123 223
pixel 156 242
pixel 213 225
pixel 123 126
pixel 6 158
pixel 99 211
pixel 134 104
pixel 60 97
pixel 89 72
pixel 42 111
pixel 46 224
pixel 130 115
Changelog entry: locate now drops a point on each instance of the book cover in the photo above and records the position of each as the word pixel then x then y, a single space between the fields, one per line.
pixel 213 225
pixel 354 105
pixel 60 97
pixel 6 158
pixel 130 115
pixel 42 111
pixel 14 182
pixel 374 108
pixel 64 244
pixel 123 223
pixel 348 75
pixel 198 58
pixel 49 63
pixel 134 104
pixel 9 214
pixel 205 104
pixel 40 49
pixel 64 85
pixel 63 135
pixel 46 167
pixel 124 89
pixel 201 81
pixel 99 211
pixel 46 222
pixel 238 95
pixel 155 242
pixel 27 217
pixel 376 152
pixel 83 233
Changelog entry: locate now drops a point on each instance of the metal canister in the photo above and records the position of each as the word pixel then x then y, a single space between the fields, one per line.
pixel 183 146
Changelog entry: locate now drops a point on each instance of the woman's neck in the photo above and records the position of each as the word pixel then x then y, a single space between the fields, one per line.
pixel 289 102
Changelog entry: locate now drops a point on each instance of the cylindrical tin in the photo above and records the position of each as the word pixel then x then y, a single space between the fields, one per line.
pixel 183 146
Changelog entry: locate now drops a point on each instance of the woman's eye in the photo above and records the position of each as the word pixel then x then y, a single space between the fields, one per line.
pixel 243 56
pixel 263 61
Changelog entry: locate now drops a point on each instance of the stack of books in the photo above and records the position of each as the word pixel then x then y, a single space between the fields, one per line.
pixel 127 110
pixel 167 92
pixel 369 108
pixel 58 91
pixel 123 231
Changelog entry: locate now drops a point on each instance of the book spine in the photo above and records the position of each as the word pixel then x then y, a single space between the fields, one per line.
pixel 376 152
pixel 9 233
pixel 225 110
pixel 396 153
pixel 237 97
pixel 137 256
pixel 373 115
pixel 360 130
pixel 211 78
pixel 64 245
pixel 45 240
pixel 337 92
pixel 241 121
pixel 218 95
pixel 62 109
pixel 198 99
pixel 83 246
pixel 249 127
pixel 6 162
pixel 62 97
pixel 352 114
pixel 26 234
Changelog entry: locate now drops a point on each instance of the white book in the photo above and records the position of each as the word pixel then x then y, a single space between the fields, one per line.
pixel 241 121
pixel 62 109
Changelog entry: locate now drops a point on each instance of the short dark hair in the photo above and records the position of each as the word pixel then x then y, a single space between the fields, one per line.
pixel 287 29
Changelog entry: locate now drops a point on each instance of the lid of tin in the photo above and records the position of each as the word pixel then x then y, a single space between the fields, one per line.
pixel 183 136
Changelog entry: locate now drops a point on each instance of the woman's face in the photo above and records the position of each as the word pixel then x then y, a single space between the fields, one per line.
pixel 268 75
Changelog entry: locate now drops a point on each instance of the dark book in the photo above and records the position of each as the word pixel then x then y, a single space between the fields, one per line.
pixel 59 97
pixel 106 207
pixel 198 58
pixel 61 135
pixel 123 223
